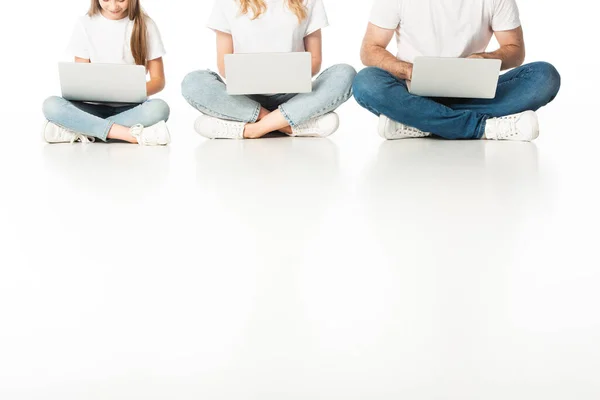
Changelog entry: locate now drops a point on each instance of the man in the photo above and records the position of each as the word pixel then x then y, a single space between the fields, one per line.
pixel 451 28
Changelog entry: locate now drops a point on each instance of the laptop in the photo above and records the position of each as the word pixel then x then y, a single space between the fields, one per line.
pixel 455 77
pixel 103 83
pixel 268 73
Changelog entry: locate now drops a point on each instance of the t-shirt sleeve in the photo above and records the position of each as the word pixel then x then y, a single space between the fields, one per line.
pixel 218 19
pixel 506 15
pixel 386 14
pixel 317 17
pixel 156 48
pixel 78 46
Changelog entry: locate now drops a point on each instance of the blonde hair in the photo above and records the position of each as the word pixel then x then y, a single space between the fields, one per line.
pixel 258 7
pixel 139 40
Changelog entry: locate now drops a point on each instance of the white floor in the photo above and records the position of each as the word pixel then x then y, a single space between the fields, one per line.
pixel 282 269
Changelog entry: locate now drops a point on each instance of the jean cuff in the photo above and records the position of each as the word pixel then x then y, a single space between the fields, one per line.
pixel 255 115
pixel 481 127
pixel 104 135
pixel 287 117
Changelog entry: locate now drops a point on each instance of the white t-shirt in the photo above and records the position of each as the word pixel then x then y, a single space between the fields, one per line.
pixel 444 28
pixel 275 31
pixel 102 40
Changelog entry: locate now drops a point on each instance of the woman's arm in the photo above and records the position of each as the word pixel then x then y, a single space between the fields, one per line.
pixel 82 60
pixel 224 46
pixel 313 43
pixel 157 76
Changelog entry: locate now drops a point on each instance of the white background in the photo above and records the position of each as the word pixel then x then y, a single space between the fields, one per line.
pixel 344 268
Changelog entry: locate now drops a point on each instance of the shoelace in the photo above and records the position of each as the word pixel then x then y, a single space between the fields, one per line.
pixel 309 126
pixel 412 132
pixel 136 132
pixel 229 130
pixel 82 138
pixel 506 126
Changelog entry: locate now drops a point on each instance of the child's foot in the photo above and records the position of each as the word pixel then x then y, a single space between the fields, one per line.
pixel 155 135
pixel 318 127
pixel 53 133
pixel 216 128
pixel 523 126
pixel 392 130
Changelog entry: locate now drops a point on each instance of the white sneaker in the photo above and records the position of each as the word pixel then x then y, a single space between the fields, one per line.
pixel 523 126
pixel 392 130
pixel 216 128
pixel 322 126
pixel 155 135
pixel 53 133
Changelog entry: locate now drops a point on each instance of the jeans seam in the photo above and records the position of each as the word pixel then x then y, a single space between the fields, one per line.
pixel 105 134
pixel 481 128
pixel 367 107
pixel 286 116
pixel 523 74
pixel 210 112
pixel 339 101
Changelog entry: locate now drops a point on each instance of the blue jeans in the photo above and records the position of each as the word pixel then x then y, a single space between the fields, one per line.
pixel 207 92
pixel 96 120
pixel 525 88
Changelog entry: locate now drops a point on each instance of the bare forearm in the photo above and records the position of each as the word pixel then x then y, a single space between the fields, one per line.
pixel 512 56
pixel 316 68
pixel 376 56
pixel 154 86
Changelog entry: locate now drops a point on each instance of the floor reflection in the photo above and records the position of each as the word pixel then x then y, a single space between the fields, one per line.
pixel 442 201
pixel 115 171
pixel 279 188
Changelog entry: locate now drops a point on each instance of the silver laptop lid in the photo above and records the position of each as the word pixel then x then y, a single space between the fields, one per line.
pixel 268 73
pixel 455 77
pixel 110 83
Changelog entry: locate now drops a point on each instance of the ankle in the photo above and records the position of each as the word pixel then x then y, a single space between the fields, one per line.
pixel 287 130
pixel 252 131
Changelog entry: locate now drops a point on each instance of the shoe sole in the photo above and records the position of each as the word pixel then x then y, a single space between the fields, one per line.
pixel 168 136
pixel 197 127
pixel 334 130
pixel 44 126
pixel 316 135
pixel 536 126
pixel 381 126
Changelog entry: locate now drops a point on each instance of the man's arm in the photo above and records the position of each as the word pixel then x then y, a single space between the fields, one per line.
pixel 373 53
pixel 511 51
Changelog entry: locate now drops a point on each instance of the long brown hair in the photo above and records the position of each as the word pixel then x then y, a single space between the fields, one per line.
pixel 139 41
pixel 258 7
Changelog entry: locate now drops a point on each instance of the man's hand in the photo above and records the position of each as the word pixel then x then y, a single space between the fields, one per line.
pixel 511 51
pixel 374 52
pixel 478 55
pixel 409 72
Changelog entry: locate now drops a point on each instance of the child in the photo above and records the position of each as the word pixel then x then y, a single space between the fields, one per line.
pixel 119 32
pixel 268 26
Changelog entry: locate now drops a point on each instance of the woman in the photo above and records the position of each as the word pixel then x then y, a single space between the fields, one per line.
pixel 268 26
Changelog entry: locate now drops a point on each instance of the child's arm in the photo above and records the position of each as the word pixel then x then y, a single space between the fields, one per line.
pixel 313 43
pixel 82 60
pixel 157 76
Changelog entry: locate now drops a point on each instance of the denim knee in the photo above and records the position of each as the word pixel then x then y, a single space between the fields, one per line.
pixel 159 109
pixel 548 77
pixel 344 74
pixel 194 84
pixel 53 108
pixel 154 111
pixel 366 86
